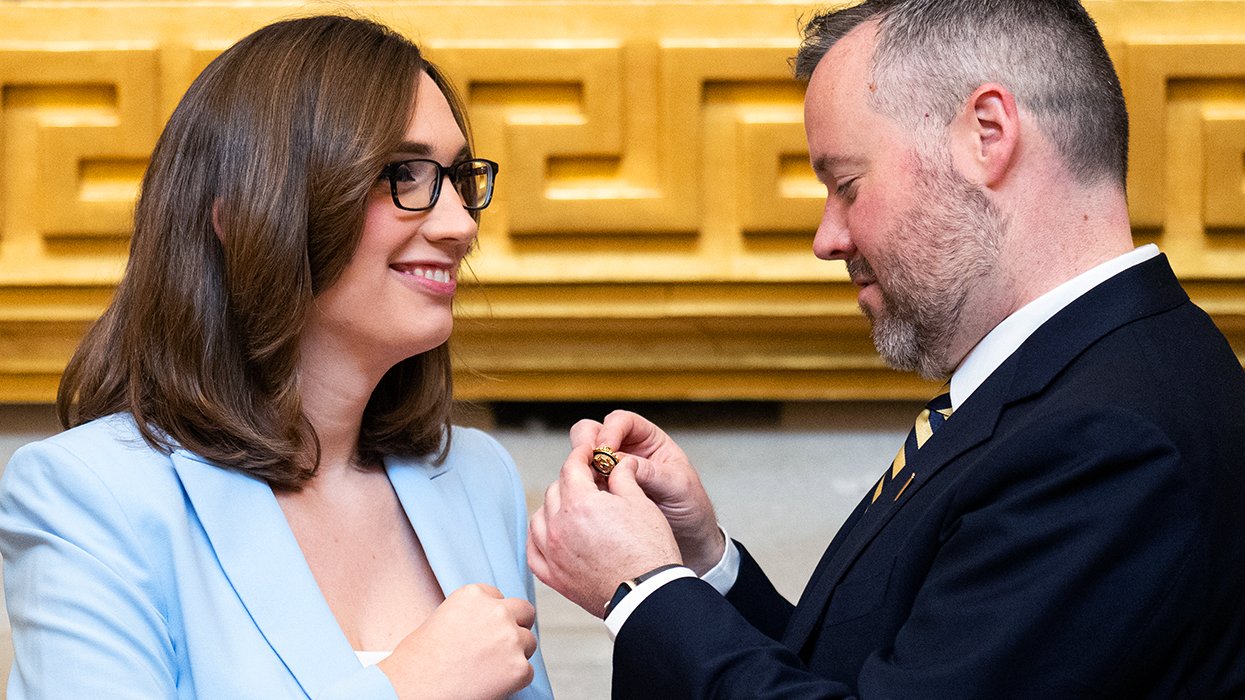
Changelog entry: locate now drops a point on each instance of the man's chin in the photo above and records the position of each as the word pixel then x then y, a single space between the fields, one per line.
pixel 897 344
pixel 870 300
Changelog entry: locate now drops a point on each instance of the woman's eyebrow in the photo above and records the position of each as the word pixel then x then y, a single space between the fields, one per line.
pixel 413 148
pixel 423 150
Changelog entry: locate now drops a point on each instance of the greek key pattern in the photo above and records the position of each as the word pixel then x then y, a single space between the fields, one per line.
pixel 662 143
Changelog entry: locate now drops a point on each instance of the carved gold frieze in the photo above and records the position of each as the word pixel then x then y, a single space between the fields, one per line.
pixel 661 141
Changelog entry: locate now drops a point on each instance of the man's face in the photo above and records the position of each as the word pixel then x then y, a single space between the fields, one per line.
pixel 916 236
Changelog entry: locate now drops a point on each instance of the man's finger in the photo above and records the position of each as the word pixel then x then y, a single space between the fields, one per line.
pixel 585 432
pixel 553 497
pixel 528 640
pixel 643 471
pixel 537 528
pixel 577 472
pixel 536 558
pixel 486 589
pixel 617 430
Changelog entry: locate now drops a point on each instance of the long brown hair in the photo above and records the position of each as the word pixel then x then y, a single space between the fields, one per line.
pixel 280 140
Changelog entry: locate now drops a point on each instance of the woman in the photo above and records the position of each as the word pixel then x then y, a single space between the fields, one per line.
pixel 259 495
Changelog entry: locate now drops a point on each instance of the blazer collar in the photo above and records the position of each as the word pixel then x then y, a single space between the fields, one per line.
pixel 439 505
pixel 1143 290
pixel 265 566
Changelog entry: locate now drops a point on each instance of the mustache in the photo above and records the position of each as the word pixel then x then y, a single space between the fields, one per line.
pixel 859 268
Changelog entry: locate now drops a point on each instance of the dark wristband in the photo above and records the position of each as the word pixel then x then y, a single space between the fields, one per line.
pixel 630 585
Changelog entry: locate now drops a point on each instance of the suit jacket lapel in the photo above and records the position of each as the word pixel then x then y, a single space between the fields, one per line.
pixel 955 437
pixel 1145 289
pixel 264 564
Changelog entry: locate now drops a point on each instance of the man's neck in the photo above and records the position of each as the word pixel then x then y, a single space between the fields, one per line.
pixel 1006 337
pixel 1044 247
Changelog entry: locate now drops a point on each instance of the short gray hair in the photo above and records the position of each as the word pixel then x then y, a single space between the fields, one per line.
pixel 932 54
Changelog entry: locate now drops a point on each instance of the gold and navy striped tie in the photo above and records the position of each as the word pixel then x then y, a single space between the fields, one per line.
pixel 935 413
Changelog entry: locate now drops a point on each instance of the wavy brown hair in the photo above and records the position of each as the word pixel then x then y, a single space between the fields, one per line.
pixel 280 139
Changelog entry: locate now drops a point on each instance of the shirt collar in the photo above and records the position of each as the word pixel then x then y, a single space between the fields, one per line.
pixel 1000 343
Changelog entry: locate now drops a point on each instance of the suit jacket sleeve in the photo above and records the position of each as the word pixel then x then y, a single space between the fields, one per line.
pixel 755 597
pixel 1075 540
pixel 86 610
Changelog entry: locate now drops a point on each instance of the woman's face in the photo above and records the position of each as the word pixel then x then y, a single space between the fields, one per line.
pixel 392 300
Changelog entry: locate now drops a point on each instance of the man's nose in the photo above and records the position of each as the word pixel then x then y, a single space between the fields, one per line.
pixel 833 241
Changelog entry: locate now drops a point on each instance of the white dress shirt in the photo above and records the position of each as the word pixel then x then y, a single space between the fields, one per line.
pixel 978 365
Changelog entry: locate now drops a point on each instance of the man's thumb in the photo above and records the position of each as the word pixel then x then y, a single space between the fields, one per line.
pixel 623 478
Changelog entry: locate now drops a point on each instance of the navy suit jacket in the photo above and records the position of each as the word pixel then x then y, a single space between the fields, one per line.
pixel 1075 529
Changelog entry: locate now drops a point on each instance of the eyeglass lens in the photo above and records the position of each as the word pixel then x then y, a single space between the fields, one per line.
pixel 416 182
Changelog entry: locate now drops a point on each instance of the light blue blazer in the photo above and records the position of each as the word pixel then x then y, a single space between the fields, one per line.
pixel 134 574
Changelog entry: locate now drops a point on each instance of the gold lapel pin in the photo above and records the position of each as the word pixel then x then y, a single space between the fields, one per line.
pixel 604 460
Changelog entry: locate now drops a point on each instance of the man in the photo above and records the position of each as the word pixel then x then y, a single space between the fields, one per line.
pixel 1067 522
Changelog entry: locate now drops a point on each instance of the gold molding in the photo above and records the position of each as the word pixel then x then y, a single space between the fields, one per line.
pixel 660 140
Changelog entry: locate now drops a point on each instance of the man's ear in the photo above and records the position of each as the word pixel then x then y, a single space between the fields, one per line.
pixel 986 134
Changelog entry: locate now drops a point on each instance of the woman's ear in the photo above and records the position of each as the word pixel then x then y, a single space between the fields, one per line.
pixel 216 220
pixel 986 134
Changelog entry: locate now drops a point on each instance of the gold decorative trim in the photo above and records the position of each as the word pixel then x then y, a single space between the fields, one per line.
pixel 662 139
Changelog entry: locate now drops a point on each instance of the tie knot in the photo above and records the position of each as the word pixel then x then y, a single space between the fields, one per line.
pixel 939 409
pixel 940 403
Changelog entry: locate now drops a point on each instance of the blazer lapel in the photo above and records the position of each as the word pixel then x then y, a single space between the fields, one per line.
pixel 1145 289
pixel 438 504
pixel 266 567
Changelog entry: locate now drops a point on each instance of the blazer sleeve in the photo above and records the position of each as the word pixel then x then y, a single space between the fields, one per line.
pixel 87 612
pixel 1076 540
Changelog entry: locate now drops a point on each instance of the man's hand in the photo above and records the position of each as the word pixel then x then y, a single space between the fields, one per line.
pixel 661 469
pixel 584 541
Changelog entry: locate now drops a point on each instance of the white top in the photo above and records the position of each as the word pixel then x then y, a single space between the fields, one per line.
pixel 371 658
pixel 985 357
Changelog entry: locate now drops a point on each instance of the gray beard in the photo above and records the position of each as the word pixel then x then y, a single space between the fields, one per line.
pixel 924 299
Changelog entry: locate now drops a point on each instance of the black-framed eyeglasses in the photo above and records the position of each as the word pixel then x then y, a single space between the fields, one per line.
pixel 416 183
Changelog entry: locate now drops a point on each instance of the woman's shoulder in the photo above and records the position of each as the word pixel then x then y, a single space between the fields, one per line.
pixel 117 430
pixel 475 458
pixel 474 446
pixel 109 450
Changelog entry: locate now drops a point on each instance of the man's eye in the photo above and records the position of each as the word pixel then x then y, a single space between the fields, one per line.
pixel 846 190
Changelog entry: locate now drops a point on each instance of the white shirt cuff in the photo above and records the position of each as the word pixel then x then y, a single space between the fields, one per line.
pixel 722 577
pixel 723 574
pixel 614 621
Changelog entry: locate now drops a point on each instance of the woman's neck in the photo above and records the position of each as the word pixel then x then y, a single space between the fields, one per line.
pixel 334 395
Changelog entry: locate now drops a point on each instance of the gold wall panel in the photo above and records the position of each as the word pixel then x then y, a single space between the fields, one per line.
pixel 658 145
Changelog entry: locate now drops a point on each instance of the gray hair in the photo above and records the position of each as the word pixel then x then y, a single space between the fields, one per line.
pixel 932 54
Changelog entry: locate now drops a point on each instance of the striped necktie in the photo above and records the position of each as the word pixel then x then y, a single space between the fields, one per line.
pixel 931 418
